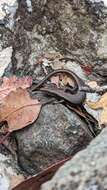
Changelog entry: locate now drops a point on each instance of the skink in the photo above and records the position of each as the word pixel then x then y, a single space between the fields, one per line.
pixel 75 97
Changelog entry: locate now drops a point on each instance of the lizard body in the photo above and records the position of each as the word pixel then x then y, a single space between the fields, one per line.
pixel 76 97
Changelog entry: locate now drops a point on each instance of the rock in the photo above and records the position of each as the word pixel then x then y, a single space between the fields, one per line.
pixel 9 172
pixel 44 26
pixel 58 133
pixel 5 59
pixel 99 1
pixel 7 12
pixel 101 70
pixel 40 27
pixel 76 69
pixel 102 48
pixel 86 170
pixel 29 5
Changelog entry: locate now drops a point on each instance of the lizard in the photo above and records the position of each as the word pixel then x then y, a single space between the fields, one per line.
pixel 72 95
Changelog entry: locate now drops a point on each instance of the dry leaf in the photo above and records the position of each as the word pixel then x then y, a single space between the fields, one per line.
pixel 39 60
pixel 87 69
pixel 67 80
pixel 53 56
pixel 100 104
pixel 92 84
pixel 12 83
pixel 19 110
pixel 15 180
pixel 55 80
pixel 63 79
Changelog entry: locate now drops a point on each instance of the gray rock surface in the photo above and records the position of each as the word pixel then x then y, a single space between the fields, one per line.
pixel 54 26
pixel 5 59
pixel 7 12
pixel 8 171
pixel 57 134
pixel 34 28
pixel 102 49
pixel 85 171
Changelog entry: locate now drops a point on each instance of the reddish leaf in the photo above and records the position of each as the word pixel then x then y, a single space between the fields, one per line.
pixel 19 110
pixel 35 182
pixel 12 83
pixel 87 69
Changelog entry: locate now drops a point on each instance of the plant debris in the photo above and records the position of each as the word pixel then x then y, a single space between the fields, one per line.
pixel 100 104
pixel 11 84
pixel 19 109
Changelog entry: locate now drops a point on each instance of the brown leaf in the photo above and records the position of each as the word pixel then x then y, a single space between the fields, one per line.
pixel 12 83
pixel 100 104
pixel 67 80
pixel 53 56
pixel 15 180
pixel 19 110
pixel 55 80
